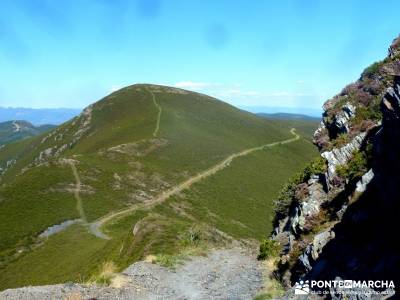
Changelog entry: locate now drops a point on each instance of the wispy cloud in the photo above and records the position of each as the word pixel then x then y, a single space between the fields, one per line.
pixel 115 87
pixel 192 85
pixel 237 94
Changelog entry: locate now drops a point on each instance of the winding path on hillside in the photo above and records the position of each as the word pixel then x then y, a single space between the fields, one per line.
pixel 77 193
pixel 95 227
pixel 155 133
pixel 79 204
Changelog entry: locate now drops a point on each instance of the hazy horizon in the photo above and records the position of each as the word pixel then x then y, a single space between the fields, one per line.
pixel 56 116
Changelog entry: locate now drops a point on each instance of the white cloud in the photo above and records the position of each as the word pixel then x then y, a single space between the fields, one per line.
pixel 192 85
pixel 238 95
pixel 115 87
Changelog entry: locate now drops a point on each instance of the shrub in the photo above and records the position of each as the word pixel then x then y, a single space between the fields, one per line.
pixel 317 166
pixel 106 275
pixel 372 69
pixel 302 191
pixel 341 140
pixel 370 112
pixel 288 192
pixel 355 168
pixel 285 197
pixel 192 236
pixel 269 249
pixel 167 260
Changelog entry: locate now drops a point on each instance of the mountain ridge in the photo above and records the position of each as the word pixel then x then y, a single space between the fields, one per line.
pixel 38 116
pixel 126 150
pixel 14 130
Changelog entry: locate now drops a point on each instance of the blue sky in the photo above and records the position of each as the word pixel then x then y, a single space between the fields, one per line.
pixel 249 53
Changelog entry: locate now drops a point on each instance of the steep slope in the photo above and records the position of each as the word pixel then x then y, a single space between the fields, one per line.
pixel 12 131
pixel 305 125
pixel 289 116
pixel 121 167
pixel 338 218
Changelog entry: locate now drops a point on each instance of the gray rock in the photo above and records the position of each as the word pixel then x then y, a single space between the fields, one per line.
pixel 361 185
pixel 340 156
pixel 342 118
pixel 313 250
pixel 394 48
pixel 341 211
pixel 320 241
pixel 309 207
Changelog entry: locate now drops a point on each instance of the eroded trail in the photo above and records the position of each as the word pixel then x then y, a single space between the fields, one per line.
pixel 77 193
pixel 95 227
pixel 79 204
pixel 155 133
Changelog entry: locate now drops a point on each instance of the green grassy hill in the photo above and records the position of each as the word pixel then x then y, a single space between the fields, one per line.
pixel 12 131
pixel 304 124
pixel 110 169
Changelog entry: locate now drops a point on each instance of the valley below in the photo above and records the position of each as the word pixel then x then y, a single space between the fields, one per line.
pixel 147 173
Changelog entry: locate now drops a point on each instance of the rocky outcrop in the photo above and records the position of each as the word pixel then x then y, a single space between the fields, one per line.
pixel 344 226
pixel 340 156
pixel 314 249
pixel 361 185
pixel 342 119
pixel 289 227
pixel 394 49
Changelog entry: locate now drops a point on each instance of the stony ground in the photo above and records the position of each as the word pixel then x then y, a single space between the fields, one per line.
pixel 223 274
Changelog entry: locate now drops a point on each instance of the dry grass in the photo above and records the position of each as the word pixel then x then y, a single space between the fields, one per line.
pixel 272 287
pixel 119 281
pixel 150 259
pixel 106 275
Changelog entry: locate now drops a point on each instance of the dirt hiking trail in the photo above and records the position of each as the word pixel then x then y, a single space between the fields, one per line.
pixel 95 226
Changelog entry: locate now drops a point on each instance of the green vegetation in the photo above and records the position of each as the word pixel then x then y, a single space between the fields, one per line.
pixel 30 205
pixel 305 126
pixel 106 275
pixel 355 168
pixel 316 166
pixel 12 131
pixel 371 112
pixel 372 69
pixel 288 191
pixel 274 289
pixel 238 199
pixel 269 249
pixel 341 140
pixel 120 163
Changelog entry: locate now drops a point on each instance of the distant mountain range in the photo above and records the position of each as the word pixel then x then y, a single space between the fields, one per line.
pixel 289 116
pixel 11 131
pixel 56 116
pixel 38 116
pixel 314 112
